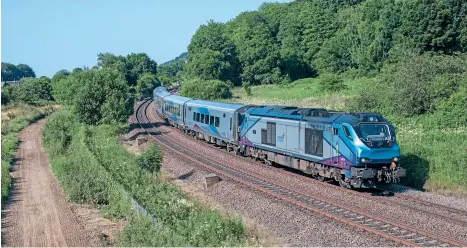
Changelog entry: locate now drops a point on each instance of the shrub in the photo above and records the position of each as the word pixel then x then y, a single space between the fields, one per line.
pixel 206 89
pixel 331 82
pixel 246 86
pixel 141 233
pixel 453 111
pixel 151 159
pixel 414 86
pixel 146 84
pixel 97 96
pixel 34 91
pixel 58 132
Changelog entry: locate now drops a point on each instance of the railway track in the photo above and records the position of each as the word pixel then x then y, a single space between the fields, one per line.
pixel 400 233
pixel 448 211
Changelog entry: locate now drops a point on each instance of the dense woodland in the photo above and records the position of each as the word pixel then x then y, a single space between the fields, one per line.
pixel 415 50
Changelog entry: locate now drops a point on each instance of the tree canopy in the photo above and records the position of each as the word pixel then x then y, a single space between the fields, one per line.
pixel 287 41
pixel 12 72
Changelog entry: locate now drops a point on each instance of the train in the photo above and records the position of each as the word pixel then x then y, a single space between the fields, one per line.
pixel 355 149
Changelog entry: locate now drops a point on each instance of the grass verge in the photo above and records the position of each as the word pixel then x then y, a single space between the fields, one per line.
pixel 94 168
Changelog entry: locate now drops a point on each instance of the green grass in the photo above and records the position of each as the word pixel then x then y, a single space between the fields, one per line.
pixel 93 167
pixel 435 157
pixel 15 117
pixel 302 93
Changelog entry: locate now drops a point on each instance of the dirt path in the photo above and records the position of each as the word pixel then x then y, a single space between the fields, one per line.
pixel 37 213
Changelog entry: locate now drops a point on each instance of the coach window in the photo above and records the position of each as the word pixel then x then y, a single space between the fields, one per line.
pixel 197 117
pixel 230 123
pixel 217 122
pixel 194 116
pixel 202 118
pixel 211 121
pixel 206 119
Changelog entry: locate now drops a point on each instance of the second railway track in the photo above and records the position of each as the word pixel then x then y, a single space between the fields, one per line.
pixel 400 233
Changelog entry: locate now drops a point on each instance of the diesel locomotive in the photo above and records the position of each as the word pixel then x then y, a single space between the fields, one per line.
pixel 356 149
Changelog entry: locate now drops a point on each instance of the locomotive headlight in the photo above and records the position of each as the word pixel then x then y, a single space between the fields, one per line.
pixel 395 159
pixel 365 160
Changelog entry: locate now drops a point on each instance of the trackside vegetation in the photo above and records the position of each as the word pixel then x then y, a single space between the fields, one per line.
pixel 94 168
pixel 15 117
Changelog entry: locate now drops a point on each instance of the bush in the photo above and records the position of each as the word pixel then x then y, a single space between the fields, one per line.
pixel 414 86
pixel 247 88
pixel 206 89
pixel 146 84
pixel 453 111
pixel 97 96
pixel 141 233
pixel 151 159
pixel 34 91
pixel 58 132
pixel 331 82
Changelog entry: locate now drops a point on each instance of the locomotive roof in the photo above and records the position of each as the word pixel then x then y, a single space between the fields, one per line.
pixel 315 114
pixel 229 106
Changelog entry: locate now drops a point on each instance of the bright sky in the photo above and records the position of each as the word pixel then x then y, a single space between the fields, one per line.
pixel 50 35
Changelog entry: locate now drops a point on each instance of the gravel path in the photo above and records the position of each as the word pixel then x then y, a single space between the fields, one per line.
pixel 37 213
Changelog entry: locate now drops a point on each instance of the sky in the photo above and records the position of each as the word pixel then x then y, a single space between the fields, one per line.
pixel 50 35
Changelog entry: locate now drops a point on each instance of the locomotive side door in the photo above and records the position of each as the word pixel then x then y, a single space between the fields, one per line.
pixel 335 145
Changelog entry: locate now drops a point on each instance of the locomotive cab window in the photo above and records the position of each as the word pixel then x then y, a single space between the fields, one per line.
pixel 347 132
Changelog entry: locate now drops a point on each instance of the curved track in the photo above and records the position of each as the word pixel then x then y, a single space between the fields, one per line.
pixel 400 233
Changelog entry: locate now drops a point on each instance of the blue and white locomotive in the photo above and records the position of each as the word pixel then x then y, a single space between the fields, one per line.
pixel 358 150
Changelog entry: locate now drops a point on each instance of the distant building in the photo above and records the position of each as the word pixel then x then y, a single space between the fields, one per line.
pixel 12 83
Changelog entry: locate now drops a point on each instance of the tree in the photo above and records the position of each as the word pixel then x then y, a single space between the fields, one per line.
pixel 432 25
pixel 138 64
pixel 258 53
pixel 98 96
pixel 77 69
pixel 146 85
pixel 26 71
pixel 172 72
pixel 211 55
pixel 10 72
pixel 206 89
pixel 34 90
pixel 60 75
